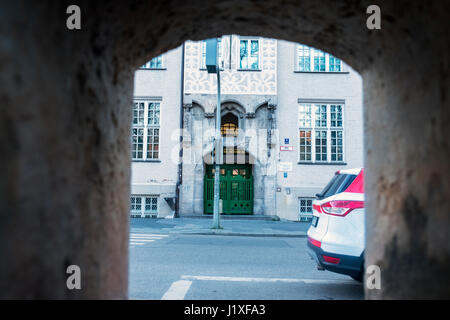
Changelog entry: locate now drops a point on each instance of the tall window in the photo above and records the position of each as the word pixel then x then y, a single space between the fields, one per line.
pixel 319 60
pixel 305 131
pixel 145 131
pixel 337 152
pixel 155 63
pixel 143 206
pixel 249 54
pixel 203 66
pixel 321 136
pixel 310 59
pixel 334 64
pixel 304 58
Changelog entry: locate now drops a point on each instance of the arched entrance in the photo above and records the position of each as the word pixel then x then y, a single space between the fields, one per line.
pixel 67 147
pixel 236 173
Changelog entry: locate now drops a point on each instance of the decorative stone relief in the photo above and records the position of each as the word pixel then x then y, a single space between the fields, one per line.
pixel 263 81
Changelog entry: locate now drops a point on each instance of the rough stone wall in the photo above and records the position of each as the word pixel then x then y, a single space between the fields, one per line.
pixel 64 127
pixel 407 154
pixel 64 130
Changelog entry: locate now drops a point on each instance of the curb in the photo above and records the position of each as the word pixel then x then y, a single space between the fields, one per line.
pixel 215 233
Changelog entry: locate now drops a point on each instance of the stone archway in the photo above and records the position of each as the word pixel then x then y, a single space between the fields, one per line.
pixel 65 118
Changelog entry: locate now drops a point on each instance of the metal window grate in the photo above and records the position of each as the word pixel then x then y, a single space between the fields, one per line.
pixel 144 206
pixel 305 209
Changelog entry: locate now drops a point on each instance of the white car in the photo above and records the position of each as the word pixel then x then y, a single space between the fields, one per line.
pixel 336 237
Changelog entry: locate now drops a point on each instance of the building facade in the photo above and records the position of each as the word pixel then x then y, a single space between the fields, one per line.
pixel 291 116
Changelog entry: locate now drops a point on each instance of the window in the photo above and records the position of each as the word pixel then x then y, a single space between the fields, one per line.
pixel 249 54
pixel 321 137
pixel 155 63
pixel 305 209
pixel 229 129
pixel 145 131
pixel 321 145
pixel 144 206
pixel 203 66
pixel 305 145
pixel 319 60
pixel 229 125
pixel 304 58
pixel 311 59
pixel 337 184
pixel 337 152
pixel 334 64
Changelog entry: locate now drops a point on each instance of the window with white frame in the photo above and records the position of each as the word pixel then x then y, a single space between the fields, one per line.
pixel 311 59
pixel 249 54
pixel 321 136
pixel 155 63
pixel 305 208
pixel 145 130
pixel 304 58
pixel 143 205
pixel 319 61
pixel 334 64
pixel 219 45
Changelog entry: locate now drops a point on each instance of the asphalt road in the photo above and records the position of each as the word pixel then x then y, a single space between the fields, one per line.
pixel 209 267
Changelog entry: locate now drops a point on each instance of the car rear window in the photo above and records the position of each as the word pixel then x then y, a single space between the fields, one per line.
pixel 337 184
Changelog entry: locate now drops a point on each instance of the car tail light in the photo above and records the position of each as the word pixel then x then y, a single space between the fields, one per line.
pixel 341 208
pixel 314 242
pixel 331 259
pixel 317 208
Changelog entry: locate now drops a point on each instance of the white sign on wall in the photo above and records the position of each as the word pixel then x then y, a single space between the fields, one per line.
pixel 286 148
pixel 285 166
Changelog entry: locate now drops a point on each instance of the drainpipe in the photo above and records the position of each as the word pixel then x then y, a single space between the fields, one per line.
pixel 180 162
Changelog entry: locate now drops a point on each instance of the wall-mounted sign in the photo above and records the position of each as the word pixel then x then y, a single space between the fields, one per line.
pixel 286 140
pixel 285 166
pixel 286 148
pixel 285 174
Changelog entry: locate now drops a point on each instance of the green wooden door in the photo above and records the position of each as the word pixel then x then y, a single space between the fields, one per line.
pixel 236 189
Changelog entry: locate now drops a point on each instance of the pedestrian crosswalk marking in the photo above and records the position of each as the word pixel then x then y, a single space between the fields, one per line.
pixel 144 238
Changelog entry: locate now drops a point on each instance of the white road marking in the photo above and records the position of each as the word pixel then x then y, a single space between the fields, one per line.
pixel 177 290
pixel 143 238
pixel 245 279
pixel 154 238
pixel 148 235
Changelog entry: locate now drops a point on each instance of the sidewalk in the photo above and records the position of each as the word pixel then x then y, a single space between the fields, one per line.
pixel 231 227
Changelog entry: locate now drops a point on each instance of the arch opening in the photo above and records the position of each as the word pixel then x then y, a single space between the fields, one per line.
pixel 90 74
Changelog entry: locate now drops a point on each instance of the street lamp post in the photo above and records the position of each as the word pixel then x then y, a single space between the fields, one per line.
pixel 212 66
